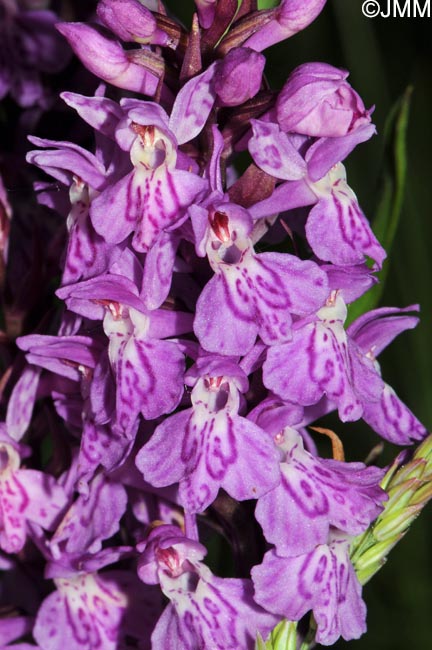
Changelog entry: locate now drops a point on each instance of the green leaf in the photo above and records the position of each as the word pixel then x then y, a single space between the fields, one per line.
pixel 393 184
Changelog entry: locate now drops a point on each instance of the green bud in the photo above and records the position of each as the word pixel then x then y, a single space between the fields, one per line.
pixel 259 643
pixel 423 494
pixel 401 494
pixel 409 486
pixel 395 523
pixel 283 637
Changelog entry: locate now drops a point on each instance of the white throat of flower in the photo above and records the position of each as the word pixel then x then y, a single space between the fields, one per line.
pixel 227 244
pixel 213 395
pixel 334 182
pixel 151 149
pixel 122 323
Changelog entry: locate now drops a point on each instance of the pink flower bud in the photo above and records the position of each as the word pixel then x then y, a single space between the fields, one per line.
pixel 131 21
pixel 106 59
pixel 290 17
pixel 318 101
pixel 238 76
pixel 206 10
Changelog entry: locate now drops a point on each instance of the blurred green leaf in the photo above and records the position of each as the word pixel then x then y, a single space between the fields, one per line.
pixel 267 4
pixel 394 175
pixel 393 184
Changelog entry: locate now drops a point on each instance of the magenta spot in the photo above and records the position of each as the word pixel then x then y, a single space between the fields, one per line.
pixel 338 497
pixel 307 490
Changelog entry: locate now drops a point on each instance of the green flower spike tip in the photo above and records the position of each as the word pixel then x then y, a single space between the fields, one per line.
pixel 409 486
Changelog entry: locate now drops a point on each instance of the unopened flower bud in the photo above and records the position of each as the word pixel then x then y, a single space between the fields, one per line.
pixel 206 10
pixel 238 76
pixel 290 17
pixel 318 101
pixel 131 21
pixel 295 15
pixel 105 58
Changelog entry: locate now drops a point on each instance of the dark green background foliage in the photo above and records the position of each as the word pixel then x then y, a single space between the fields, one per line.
pixel 384 57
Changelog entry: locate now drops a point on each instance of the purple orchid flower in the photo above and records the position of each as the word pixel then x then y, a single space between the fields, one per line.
pixel 154 195
pixel 315 494
pixel 95 610
pixel 336 228
pixel 250 294
pixel 148 371
pixel 210 445
pixel 204 611
pixel 322 580
pixel 322 360
pixel 26 495
pixel 92 518
pixel 84 174
pixel 337 213
pixel 162 260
